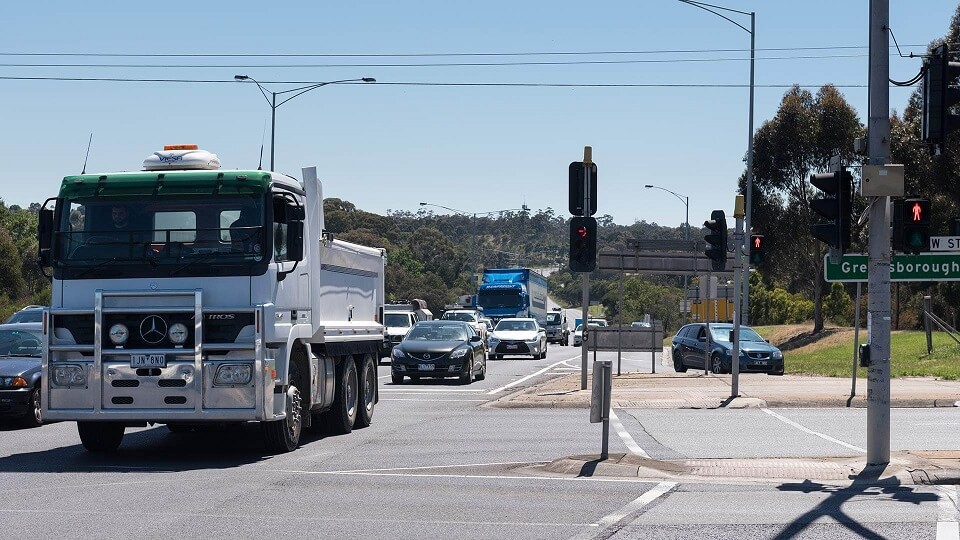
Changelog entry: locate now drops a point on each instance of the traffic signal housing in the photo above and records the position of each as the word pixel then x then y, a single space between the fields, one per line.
pixel 911 225
pixel 583 244
pixel 575 202
pixel 716 240
pixel 939 95
pixel 836 205
pixel 757 248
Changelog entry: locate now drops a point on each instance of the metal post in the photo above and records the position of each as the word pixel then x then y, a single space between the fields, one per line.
pixel 620 326
pixel 878 378
pixel 606 371
pixel 587 162
pixel 273 126
pixel 653 347
pixel 856 343
pixel 740 268
pixel 927 323
pixel 745 303
pixel 686 280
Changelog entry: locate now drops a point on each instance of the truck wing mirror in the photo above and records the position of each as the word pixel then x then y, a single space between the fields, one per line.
pixel 45 238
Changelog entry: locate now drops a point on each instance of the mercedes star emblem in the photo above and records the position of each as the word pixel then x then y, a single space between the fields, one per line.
pixel 153 329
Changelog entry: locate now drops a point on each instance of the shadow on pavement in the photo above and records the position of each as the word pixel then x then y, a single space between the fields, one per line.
pixel 868 483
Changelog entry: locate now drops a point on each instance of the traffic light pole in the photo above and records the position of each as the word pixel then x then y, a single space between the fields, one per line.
pixel 740 272
pixel 878 301
pixel 587 161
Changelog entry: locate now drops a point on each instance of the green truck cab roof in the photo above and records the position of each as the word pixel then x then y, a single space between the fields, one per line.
pixel 152 183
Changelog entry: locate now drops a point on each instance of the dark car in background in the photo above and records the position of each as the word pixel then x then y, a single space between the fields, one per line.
pixel 20 351
pixel 689 348
pixel 439 349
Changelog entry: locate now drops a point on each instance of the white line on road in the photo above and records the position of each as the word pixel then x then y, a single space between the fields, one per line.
pixel 520 380
pixel 625 480
pixel 947 526
pixel 631 507
pixel 625 436
pixel 431 400
pixel 812 432
pixel 460 465
pixel 414 390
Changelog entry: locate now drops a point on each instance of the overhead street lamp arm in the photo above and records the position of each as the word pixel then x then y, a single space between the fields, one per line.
pixel 262 90
pixel 706 7
pixel 675 194
pixel 304 89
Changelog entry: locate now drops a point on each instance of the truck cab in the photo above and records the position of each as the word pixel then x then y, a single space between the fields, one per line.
pixel 557 330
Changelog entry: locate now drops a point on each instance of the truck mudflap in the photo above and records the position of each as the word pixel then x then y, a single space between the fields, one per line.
pixel 155 373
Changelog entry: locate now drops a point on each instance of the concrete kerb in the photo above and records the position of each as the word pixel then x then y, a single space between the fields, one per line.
pixel 905 468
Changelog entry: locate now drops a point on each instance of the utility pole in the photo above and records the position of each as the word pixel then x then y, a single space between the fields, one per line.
pixel 878 301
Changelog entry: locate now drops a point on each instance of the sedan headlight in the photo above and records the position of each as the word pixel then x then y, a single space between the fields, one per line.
pixel 178 333
pixel 13 382
pixel 777 355
pixel 398 353
pixel 459 353
pixel 233 374
pixel 119 333
pixel 493 340
pixel 69 375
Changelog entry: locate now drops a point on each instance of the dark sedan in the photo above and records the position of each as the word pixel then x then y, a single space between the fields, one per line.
pixel 20 352
pixel 756 355
pixel 439 349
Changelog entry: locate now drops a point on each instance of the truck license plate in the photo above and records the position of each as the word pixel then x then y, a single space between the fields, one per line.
pixel 427 367
pixel 148 360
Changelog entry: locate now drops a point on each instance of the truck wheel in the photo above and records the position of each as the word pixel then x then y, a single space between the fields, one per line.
pixel 368 392
pixel 284 435
pixel 100 436
pixel 341 416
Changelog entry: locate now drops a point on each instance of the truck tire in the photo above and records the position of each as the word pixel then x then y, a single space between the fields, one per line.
pixel 284 435
pixel 368 392
pixel 100 436
pixel 342 414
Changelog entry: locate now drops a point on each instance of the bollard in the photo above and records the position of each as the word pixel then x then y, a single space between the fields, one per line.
pixel 600 399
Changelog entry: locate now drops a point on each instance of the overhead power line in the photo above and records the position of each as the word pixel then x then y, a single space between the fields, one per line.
pixel 417 55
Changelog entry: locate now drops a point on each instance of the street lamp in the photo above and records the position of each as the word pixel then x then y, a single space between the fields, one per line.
pixel 745 301
pixel 476 232
pixel 272 100
pixel 686 202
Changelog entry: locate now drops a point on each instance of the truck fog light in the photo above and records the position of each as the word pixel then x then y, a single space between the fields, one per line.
pixel 178 333
pixel 233 374
pixel 119 334
pixel 69 375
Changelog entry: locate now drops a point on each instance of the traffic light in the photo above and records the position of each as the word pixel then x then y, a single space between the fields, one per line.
pixel 583 244
pixel 911 225
pixel 716 240
pixel 837 206
pixel 576 189
pixel 939 95
pixel 757 248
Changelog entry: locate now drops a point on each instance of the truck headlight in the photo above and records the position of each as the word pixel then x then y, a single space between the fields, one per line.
pixel 119 333
pixel 177 333
pixel 233 374
pixel 459 353
pixel 69 375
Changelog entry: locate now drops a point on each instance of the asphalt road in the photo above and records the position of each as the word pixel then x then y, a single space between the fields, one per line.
pixel 437 463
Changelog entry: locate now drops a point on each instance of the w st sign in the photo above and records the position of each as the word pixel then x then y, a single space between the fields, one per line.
pixel 945 243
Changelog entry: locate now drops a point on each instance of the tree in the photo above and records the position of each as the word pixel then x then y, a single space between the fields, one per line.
pixel 798 141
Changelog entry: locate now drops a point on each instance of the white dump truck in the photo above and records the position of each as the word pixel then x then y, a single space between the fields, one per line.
pixel 186 295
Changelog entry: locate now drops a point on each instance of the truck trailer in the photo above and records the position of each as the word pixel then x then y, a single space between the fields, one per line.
pixel 187 295
pixel 513 292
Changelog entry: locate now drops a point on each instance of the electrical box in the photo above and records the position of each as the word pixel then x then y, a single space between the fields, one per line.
pixel 882 181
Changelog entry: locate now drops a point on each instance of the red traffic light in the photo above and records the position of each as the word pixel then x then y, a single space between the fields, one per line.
pixel 757 242
pixel 582 232
pixel 916 212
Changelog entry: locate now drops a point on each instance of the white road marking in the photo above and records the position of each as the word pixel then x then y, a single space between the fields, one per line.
pixel 626 480
pixel 947 526
pixel 522 379
pixel 625 436
pixel 415 390
pixel 430 400
pixel 461 465
pixel 631 507
pixel 812 432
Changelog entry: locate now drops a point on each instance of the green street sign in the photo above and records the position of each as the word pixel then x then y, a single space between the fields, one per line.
pixel 923 267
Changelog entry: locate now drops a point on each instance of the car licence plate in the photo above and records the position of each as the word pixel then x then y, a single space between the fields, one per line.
pixel 148 360
pixel 427 367
pixel 512 347
pixel 761 362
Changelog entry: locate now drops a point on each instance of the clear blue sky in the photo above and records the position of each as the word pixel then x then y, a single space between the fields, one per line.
pixel 388 146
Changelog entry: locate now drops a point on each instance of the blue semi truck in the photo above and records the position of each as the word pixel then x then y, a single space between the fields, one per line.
pixel 513 292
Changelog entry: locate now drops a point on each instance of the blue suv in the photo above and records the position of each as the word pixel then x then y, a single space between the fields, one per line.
pixel 756 354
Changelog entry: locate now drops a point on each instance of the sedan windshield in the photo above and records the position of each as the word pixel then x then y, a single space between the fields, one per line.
pixel 26 315
pixel 396 320
pixel 465 317
pixel 437 332
pixel 722 333
pixel 513 326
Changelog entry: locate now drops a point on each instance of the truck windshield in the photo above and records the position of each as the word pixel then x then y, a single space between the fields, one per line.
pixel 499 299
pixel 160 237
pixel 396 320
pixel 553 318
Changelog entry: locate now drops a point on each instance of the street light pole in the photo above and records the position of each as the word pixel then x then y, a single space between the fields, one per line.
pixel 686 203
pixel 272 101
pixel 745 286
